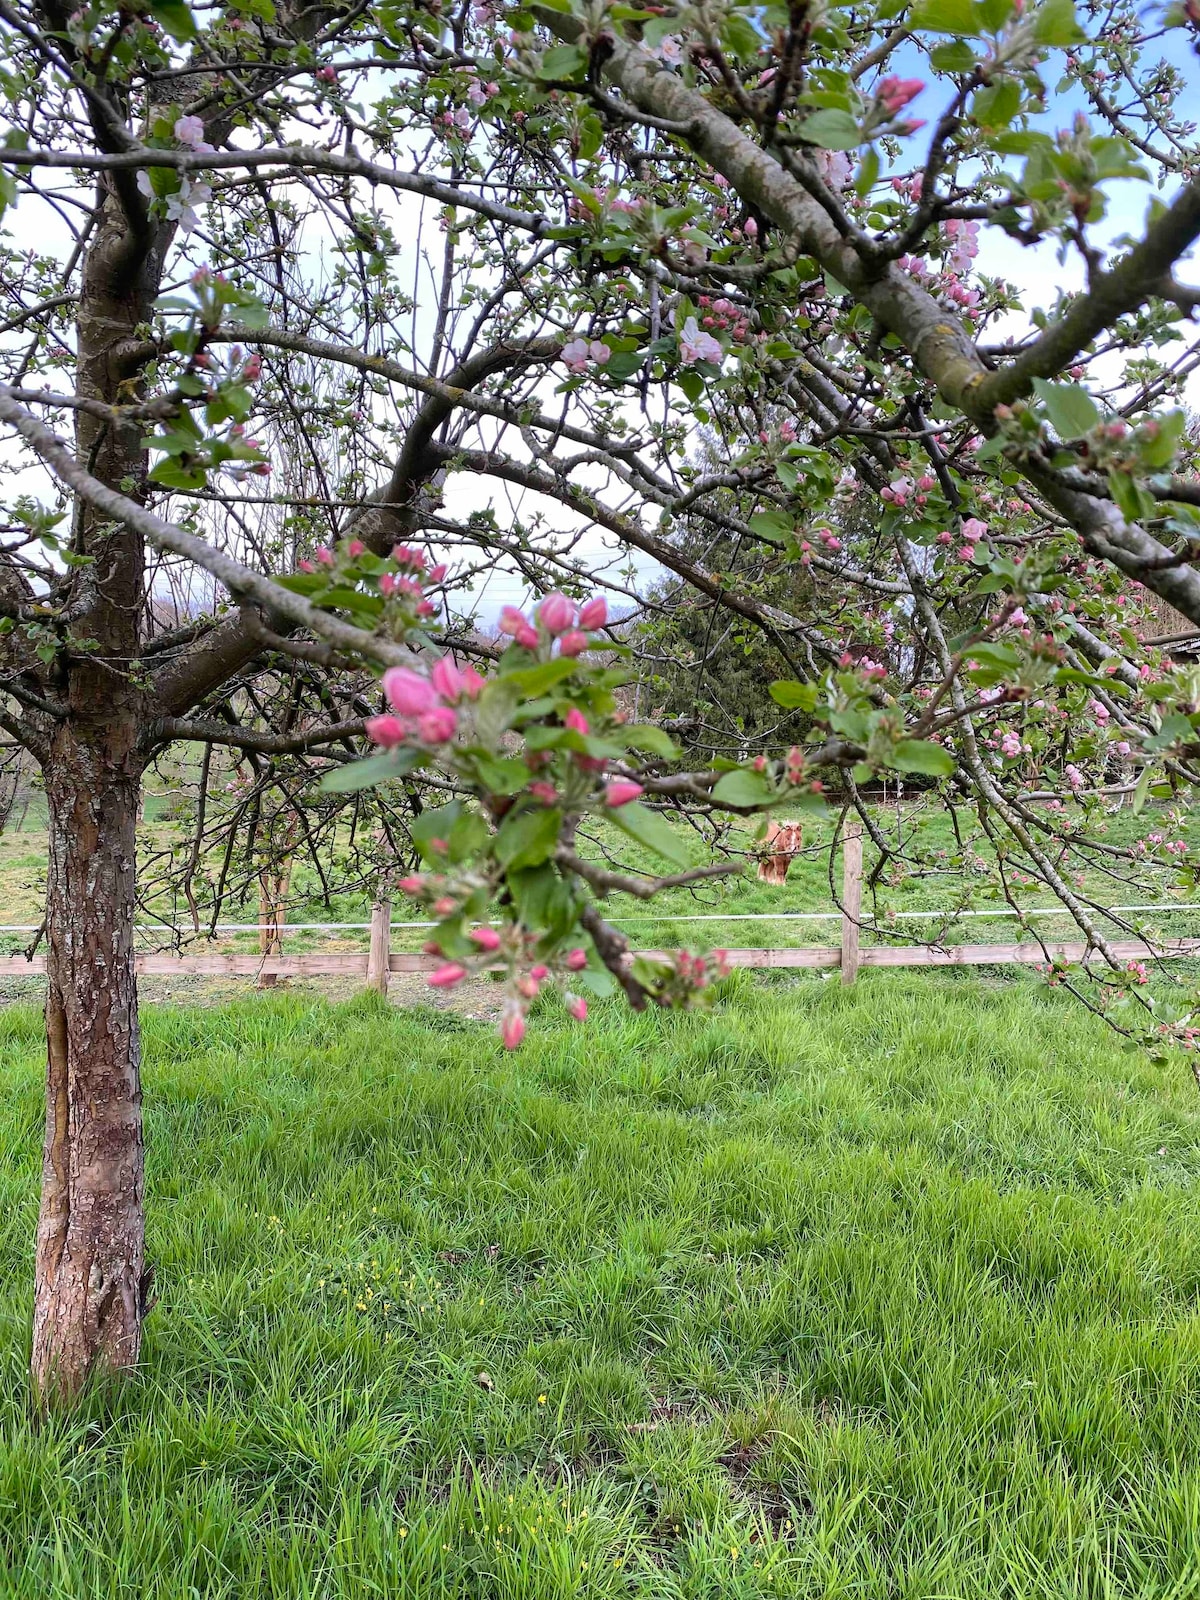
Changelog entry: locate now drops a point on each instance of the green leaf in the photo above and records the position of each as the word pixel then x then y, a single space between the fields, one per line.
pixel 644 736
pixel 175 18
pixel 562 61
pixel 962 17
pixel 1142 790
pixel 1071 410
pixel 996 106
pixel 954 57
pixel 795 696
pixel 653 830
pixel 528 839
pixel 623 364
pixel 502 775
pixel 832 130
pixel 771 524
pixel 533 681
pixel 1054 24
pixel 916 755
pixel 744 788
pixel 868 173
pixel 366 774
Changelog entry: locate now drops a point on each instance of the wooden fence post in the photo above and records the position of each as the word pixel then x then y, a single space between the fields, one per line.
pixel 851 896
pixel 381 946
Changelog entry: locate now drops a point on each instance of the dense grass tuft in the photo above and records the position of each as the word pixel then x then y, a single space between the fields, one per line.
pixel 889 1293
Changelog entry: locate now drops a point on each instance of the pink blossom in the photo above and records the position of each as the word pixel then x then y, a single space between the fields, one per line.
pixel 355 548
pixel 408 692
pixel 527 637
pixel 576 960
pixel 512 1028
pixel 447 679
pixel 472 683
pixel 485 938
pixel 326 74
pixel 556 613
pixel 696 346
pixel 750 228
pixel 1100 711
pixel 544 792
pixel 386 730
pixel 411 885
pixel 1074 777
pixel 436 574
pixel 1122 747
pixel 324 555
pixel 190 131
pixel 575 355
pixel 599 352
pixel 577 1006
pixel 446 977
pixel 575 720
pixel 621 791
pixel 252 371
pixel 405 556
pixel 387 583
pixel 512 620
pixel 974 529
pixel 895 93
pixel 595 613
pixel 573 642
pixel 438 725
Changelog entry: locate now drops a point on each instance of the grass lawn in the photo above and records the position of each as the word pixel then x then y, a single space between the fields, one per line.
pixel 889 1293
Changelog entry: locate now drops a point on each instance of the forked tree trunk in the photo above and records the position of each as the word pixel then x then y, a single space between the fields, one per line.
pixel 90 1282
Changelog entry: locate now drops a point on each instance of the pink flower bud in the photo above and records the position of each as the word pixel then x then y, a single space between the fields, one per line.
pixel 527 637
pixel 556 613
pixel 575 720
pixel 485 938
pixel 621 791
pixel 413 884
pixel 573 642
pixel 750 228
pixel 512 620
pixel 539 972
pixel 444 906
pixel 437 726
pixel 447 679
pixel 252 371
pixel 355 548
pixel 387 583
pixel 446 977
pixel 594 614
pixel 324 555
pixel 386 730
pixel 512 1029
pixel 472 683
pixel 545 792
pixel 577 1006
pixel 436 574
pixel 576 960
pixel 408 692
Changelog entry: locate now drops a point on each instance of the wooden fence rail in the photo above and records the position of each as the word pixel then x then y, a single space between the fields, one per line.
pixel 379 961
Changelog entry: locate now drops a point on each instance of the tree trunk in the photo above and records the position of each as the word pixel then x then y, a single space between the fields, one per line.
pixel 91 1281
pixel 91 1236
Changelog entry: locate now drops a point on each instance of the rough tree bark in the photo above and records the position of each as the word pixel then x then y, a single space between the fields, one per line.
pixel 90 1267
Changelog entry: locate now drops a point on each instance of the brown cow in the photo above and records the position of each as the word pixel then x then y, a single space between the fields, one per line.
pixel 782 844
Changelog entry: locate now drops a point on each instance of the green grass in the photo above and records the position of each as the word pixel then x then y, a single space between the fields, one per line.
pixel 894 1293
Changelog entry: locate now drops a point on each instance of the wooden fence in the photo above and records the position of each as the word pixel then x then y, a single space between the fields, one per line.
pixel 379 961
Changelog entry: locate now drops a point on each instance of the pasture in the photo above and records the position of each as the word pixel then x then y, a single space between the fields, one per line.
pixel 888 1293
